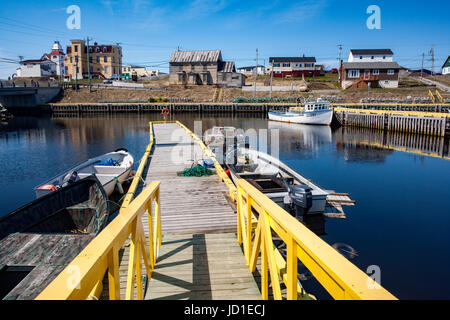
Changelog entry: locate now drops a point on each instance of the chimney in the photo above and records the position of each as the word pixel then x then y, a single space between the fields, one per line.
pixel 95 43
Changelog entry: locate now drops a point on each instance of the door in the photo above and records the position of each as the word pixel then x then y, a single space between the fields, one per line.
pixel 367 75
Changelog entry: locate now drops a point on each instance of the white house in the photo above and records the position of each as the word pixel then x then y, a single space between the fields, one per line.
pixel 57 56
pixel 261 70
pixel 446 67
pixel 371 55
pixel 374 68
pixel 36 69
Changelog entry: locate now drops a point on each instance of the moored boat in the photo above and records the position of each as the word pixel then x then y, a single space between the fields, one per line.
pixel 279 182
pixel 315 113
pixel 111 169
pixel 40 239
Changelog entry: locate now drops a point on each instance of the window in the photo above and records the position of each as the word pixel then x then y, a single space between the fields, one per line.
pixel 276 65
pixel 71 60
pixel 391 72
pixel 286 65
pixel 76 59
pixel 75 48
pixel 308 65
pixel 353 73
pixel 301 65
pixel 106 69
pixel 114 59
pixel 90 59
pixel 105 59
pixel 376 72
pixel 384 57
pixel 77 69
pixel 98 59
pixel 373 57
pixel 361 57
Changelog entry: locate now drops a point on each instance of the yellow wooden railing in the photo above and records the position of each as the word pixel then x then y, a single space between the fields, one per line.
pixel 342 279
pixel 79 279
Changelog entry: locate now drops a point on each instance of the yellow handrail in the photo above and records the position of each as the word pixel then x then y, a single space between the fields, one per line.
pixel 439 96
pixel 395 112
pixel 78 279
pixel 342 279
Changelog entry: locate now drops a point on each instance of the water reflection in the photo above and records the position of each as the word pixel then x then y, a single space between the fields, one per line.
pixel 354 142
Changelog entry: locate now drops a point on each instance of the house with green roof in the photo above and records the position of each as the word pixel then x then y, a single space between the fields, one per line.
pixel 446 67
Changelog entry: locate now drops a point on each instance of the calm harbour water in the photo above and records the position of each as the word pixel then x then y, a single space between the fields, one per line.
pixel 401 221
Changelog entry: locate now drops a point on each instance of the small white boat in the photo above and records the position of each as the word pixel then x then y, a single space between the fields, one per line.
pixel 278 181
pixel 111 169
pixel 315 113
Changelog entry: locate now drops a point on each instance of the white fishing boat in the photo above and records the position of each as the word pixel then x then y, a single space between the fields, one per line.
pixel 111 169
pixel 315 113
pixel 278 181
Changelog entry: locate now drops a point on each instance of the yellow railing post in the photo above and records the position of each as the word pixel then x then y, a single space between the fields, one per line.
pixel 291 269
pixel 336 274
pixel 113 274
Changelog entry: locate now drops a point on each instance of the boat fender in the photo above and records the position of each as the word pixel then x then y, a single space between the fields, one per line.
pixel 49 187
pixel 120 188
pixel 121 149
pixel 71 178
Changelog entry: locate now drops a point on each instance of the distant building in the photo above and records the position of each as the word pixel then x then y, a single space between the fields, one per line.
pixel 203 68
pixel 57 56
pixel 371 55
pixel 368 67
pixel 36 69
pixel 105 61
pixel 49 65
pixel 293 67
pixel 140 72
pixel 249 71
pixel 446 67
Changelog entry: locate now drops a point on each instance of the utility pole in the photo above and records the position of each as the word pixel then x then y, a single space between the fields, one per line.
pixel 271 78
pixel 76 73
pixel 339 61
pixel 256 71
pixel 432 60
pixel 89 65
pixel 421 70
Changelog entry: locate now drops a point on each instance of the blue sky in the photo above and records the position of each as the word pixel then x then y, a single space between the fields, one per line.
pixel 150 29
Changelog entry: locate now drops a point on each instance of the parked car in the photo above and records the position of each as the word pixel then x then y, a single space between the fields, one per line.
pixel 107 81
pixel 334 71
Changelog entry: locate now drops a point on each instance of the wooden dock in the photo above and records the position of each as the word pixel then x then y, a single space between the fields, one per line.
pixel 200 257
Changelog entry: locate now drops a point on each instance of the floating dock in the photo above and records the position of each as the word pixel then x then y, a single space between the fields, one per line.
pixel 203 238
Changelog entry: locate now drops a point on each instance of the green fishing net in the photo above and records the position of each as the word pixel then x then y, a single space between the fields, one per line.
pixel 197 171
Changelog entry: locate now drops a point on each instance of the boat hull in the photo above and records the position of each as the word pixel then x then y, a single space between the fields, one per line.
pixel 272 167
pixel 311 118
pixel 109 176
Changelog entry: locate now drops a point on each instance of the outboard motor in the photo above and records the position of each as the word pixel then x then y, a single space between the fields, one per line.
pixel 300 199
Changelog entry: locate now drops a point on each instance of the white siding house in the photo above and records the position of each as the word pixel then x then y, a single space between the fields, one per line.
pixel 446 67
pixel 371 55
pixel 36 69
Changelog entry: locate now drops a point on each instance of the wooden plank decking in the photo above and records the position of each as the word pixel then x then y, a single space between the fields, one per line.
pixel 200 258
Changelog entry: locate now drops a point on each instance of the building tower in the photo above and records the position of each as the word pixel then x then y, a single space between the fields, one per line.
pixel 57 56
